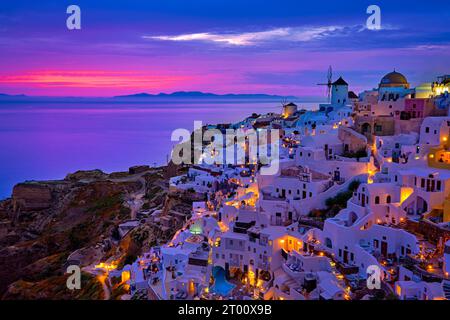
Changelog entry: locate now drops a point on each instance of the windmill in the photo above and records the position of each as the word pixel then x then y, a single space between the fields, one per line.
pixel 328 84
pixel 284 102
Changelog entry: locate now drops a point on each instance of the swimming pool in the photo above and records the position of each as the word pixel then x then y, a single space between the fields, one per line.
pixel 221 285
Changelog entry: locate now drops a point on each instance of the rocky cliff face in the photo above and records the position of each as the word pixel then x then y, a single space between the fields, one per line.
pixel 31 196
pixel 46 224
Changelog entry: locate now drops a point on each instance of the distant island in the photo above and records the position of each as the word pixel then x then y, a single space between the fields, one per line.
pixel 11 95
pixel 199 94
pixel 143 95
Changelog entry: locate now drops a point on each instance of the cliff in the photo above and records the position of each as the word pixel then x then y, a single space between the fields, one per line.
pixel 47 225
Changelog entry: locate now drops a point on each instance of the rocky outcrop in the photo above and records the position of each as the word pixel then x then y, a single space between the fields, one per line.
pixel 31 197
pixel 86 175
pixel 138 169
pixel 46 225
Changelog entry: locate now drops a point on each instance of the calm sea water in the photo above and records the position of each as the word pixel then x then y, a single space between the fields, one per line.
pixel 47 139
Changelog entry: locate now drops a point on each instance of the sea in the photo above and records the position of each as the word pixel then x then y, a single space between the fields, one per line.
pixel 47 138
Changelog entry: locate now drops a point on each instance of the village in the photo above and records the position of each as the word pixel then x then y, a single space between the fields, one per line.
pixel 362 181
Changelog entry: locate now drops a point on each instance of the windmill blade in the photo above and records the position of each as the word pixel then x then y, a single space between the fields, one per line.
pixel 329 83
pixel 330 74
pixel 327 92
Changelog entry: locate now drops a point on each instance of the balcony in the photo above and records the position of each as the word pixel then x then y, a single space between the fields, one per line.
pixel 292 269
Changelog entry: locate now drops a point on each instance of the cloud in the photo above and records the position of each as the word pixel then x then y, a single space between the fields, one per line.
pixel 91 79
pixel 428 47
pixel 292 34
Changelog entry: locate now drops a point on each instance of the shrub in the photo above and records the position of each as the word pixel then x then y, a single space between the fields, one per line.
pixel 130 258
pixel 354 185
pixel 105 203
pixel 340 199
pixel 358 154
pixel 79 235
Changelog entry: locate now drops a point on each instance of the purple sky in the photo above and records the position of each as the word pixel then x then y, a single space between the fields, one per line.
pixel 217 46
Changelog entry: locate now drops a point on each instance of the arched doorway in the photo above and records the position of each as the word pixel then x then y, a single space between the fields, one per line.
pixel 377 200
pixel 366 128
pixel 388 199
pixel 352 217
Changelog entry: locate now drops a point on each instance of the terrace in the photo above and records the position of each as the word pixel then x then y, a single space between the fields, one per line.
pixel 427 264
pixel 269 197
pixel 303 174
pixel 315 247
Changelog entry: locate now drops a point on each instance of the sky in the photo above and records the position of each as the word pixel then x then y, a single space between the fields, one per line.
pixel 246 46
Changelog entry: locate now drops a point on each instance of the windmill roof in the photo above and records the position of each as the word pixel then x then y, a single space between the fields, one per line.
pixel 340 82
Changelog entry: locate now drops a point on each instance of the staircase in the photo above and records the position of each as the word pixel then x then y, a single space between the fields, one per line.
pixel 446 288
pixel 375 161
pixel 408 201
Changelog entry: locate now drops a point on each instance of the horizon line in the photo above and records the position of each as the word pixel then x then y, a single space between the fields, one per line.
pixel 155 95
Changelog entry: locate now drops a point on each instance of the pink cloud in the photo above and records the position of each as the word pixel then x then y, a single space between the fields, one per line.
pixel 82 82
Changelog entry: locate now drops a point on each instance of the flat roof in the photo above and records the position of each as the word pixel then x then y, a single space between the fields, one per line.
pixel 235 235
pixel 274 231
pixel 426 171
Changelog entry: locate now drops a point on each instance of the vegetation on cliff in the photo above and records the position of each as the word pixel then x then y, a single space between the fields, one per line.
pixel 48 224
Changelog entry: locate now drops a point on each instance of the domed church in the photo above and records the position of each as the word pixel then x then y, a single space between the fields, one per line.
pixel 393 86
pixel 394 79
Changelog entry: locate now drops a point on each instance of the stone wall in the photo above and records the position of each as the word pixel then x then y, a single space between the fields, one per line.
pixel 352 139
pixel 375 125
pixel 428 229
